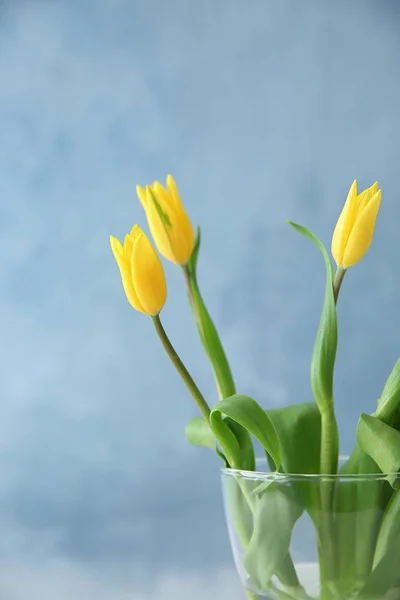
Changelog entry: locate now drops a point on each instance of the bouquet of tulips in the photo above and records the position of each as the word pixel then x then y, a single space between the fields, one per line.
pixel 357 526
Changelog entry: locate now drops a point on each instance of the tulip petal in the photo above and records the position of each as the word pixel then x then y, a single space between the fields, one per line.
pixel 344 225
pixel 166 208
pixel 362 233
pixel 141 193
pixel 157 224
pixel 173 190
pixel 125 272
pixel 128 245
pixel 148 276
pixel 169 226
pixel 185 224
pixel 134 232
pixel 364 197
pixel 116 248
pixel 187 236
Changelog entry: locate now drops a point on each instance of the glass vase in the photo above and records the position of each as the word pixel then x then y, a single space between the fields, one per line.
pixel 303 537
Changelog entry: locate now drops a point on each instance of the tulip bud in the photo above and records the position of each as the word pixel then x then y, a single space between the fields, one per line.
pixel 169 224
pixel 355 228
pixel 141 270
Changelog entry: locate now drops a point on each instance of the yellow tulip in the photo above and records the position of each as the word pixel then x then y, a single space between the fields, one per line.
pixel 169 224
pixel 355 228
pixel 141 270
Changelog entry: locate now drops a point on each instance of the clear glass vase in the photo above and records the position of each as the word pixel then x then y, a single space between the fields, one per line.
pixel 303 537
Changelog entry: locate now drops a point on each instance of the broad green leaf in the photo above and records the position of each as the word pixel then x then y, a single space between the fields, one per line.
pixel 382 443
pixel 361 503
pixel 357 533
pixel 388 409
pixel 239 452
pixel 248 413
pixel 247 458
pixel 389 533
pixel 364 502
pixel 239 507
pixel 251 595
pixel 276 512
pixel 287 575
pixel 323 362
pixel 347 500
pixel 359 507
pixel 299 430
pixel 227 440
pixel 295 420
pixel 198 433
pixel 207 330
pixel 384 580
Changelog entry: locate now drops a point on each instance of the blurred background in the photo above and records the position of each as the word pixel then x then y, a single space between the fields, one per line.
pixel 263 111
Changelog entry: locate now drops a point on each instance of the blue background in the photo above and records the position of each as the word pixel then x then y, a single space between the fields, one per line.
pixel 263 110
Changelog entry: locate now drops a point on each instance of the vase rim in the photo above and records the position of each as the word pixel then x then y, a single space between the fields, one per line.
pixel 277 476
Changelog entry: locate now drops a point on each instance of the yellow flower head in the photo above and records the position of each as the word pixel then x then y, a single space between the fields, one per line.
pixel 355 228
pixel 141 270
pixel 169 224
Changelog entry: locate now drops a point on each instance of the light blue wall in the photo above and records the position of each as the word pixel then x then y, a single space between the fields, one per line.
pixel 263 110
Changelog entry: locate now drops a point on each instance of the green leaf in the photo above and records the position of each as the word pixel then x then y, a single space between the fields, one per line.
pixel 382 443
pixel 207 330
pixel 324 354
pixel 323 364
pixel 251 595
pixel 248 413
pixel 389 533
pixel 247 457
pixel 361 504
pixel 227 440
pixel 299 430
pixel 383 580
pixel 388 409
pixel 385 577
pixel 365 502
pixel 198 433
pixel 276 512
pixel 356 523
pixel 239 507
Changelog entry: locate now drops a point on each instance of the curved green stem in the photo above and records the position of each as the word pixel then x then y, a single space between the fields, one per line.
pixel 337 282
pixel 182 370
pixel 329 427
pixel 329 442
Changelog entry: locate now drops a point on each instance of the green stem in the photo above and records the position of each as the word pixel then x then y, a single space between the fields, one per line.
pixel 182 370
pixel 337 282
pixel 329 465
pixel 329 442
pixel 188 280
